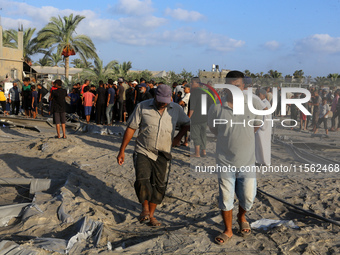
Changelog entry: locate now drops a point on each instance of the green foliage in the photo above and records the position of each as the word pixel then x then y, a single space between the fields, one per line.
pixel 60 33
pixel 99 72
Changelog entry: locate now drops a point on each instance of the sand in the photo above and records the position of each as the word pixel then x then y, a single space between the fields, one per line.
pixel 99 189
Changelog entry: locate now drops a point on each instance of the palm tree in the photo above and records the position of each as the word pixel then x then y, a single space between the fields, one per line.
pixel 122 69
pixel 30 46
pixel 45 61
pixel 56 59
pixel 7 40
pixel 60 33
pixel 80 63
pixel 99 72
pixel 320 81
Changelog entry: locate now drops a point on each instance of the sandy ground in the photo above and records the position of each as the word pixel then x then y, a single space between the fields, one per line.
pixel 98 188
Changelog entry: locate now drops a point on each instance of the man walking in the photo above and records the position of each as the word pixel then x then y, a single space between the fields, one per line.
pixel 156 120
pixel 235 148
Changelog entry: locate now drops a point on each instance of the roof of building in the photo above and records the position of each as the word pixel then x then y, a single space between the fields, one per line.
pixel 55 70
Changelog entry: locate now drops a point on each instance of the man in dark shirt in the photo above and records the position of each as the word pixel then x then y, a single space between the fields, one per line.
pixel 14 98
pixel 120 99
pixel 26 96
pixel 59 107
pixel 74 96
pixel 144 94
pixel 129 95
pixel 100 103
pixel 152 89
pixel 42 91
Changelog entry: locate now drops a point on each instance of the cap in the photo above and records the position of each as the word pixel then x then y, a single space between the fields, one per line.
pixel 142 85
pixel 263 92
pixel 120 80
pixel 16 81
pixel 115 82
pixel 163 94
pixel 134 82
pixel 186 86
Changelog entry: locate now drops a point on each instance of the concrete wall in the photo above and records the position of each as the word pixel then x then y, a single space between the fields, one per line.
pixel 214 77
pixel 11 58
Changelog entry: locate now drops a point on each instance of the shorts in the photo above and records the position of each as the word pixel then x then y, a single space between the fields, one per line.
pixel 59 117
pixel 242 185
pixel 324 120
pixel 87 110
pixel 151 177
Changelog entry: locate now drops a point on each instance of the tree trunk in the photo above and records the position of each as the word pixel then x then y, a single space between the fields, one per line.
pixel 67 67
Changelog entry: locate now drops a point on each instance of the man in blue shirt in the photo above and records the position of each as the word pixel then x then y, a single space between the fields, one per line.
pixel 110 102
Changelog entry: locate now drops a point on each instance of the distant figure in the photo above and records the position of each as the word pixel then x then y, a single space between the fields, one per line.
pixel 111 98
pixel 88 98
pixel 336 113
pixel 42 91
pixel 34 101
pixel 14 97
pixel 59 107
pixel 26 96
pixel 153 151
pixel 323 115
pixel 198 120
pixel 316 102
pixel 3 100
pixel 100 104
pixel 263 135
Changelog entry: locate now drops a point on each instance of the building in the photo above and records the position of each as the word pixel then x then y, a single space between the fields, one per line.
pixel 11 59
pixel 215 76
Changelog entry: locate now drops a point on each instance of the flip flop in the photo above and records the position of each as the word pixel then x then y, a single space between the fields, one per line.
pixel 144 216
pixel 154 222
pixel 222 237
pixel 244 226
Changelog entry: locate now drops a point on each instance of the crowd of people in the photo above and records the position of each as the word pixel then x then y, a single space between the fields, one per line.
pixel 323 105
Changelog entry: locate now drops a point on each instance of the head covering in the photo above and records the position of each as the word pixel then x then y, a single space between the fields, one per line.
pixel 120 80
pixel 142 85
pixel 163 94
pixel 134 82
pixel 115 83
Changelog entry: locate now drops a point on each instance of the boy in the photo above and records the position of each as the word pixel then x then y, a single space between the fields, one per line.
pixel 88 102
pixel 323 115
pixel 34 101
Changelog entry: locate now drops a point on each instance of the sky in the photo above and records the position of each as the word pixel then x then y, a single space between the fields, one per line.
pixel 171 35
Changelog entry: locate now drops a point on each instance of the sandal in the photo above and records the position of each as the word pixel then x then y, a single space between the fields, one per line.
pixel 222 238
pixel 243 227
pixel 154 222
pixel 144 216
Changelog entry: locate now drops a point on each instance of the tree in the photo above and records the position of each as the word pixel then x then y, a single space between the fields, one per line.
pixel 79 63
pixel 60 33
pixel 186 75
pixel 172 77
pixel 320 81
pixel 30 45
pixel 7 40
pixel 334 78
pixel 298 76
pixel 122 69
pixel 45 61
pixel 99 72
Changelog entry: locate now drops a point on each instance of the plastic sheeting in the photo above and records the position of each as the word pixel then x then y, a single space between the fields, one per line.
pixel 11 248
pixel 88 228
pixel 266 224
pixel 9 212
